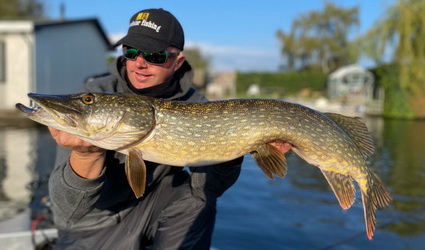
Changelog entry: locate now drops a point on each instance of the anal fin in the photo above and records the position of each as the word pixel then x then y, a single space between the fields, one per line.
pixel 342 186
pixel 270 160
pixel 135 170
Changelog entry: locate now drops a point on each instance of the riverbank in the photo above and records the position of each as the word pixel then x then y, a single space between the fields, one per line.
pixel 12 118
pixel 348 109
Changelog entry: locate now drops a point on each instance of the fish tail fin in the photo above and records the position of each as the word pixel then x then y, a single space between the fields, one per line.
pixel 369 214
pixel 135 170
pixel 375 197
pixel 270 160
pixel 381 197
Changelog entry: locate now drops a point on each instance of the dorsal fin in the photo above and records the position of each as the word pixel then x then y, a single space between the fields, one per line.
pixel 357 130
pixel 270 160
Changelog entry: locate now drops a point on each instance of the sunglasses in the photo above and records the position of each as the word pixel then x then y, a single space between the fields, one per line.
pixel 157 58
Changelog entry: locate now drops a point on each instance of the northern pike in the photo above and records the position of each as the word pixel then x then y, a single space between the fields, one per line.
pixel 204 133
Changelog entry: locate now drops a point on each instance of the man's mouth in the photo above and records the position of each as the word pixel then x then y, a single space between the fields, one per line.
pixel 141 77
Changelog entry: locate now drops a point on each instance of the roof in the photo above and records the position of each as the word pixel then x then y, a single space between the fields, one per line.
pixel 17 26
pixel 45 24
pixel 342 71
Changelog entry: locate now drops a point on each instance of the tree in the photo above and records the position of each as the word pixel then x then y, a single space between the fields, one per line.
pixel 196 59
pixel 200 65
pixel 10 9
pixel 401 35
pixel 319 39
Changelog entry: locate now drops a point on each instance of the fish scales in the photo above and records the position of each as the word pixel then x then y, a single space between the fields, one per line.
pixel 212 131
pixel 223 130
pixel 204 133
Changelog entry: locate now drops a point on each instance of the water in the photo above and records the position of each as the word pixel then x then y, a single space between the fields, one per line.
pixel 26 158
pixel 296 212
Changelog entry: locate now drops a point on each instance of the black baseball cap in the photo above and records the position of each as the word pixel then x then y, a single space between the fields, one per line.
pixel 153 30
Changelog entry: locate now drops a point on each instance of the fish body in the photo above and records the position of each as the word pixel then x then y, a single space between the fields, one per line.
pixel 205 133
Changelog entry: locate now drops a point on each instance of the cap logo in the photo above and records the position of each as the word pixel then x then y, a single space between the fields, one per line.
pixel 142 15
pixel 141 21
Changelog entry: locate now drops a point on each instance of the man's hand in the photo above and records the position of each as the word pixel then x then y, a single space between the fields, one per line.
pixel 282 146
pixel 69 141
pixel 86 159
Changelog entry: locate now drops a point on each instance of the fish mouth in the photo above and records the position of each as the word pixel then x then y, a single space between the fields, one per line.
pixel 34 109
pixel 40 111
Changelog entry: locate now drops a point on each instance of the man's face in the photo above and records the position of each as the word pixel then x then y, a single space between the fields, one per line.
pixel 142 74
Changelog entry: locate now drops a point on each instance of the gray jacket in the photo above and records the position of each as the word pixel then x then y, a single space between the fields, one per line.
pixel 84 204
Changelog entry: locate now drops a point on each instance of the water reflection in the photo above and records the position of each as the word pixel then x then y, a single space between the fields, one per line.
pixel 26 155
pixel 15 162
pixel 403 144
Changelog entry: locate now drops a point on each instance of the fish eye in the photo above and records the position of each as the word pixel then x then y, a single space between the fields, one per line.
pixel 88 99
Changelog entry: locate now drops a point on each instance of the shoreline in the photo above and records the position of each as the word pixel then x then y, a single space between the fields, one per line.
pixel 12 118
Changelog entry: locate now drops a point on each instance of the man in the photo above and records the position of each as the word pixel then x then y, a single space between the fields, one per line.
pixel 93 205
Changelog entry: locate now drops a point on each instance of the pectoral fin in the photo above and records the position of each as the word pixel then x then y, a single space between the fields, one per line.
pixel 342 186
pixel 135 170
pixel 270 160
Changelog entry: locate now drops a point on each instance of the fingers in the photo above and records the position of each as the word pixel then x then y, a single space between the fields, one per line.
pixel 54 132
pixel 73 142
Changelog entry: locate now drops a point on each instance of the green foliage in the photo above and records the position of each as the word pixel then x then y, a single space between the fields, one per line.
pixel 395 105
pixel 402 30
pixel 10 9
pixel 196 59
pixel 320 39
pixel 285 83
pixel 200 64
pixel 110 60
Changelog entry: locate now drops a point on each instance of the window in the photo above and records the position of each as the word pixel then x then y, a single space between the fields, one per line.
pixel 2 62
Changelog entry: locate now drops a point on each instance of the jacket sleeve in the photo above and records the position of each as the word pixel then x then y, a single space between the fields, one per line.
pixel 69 192
pixel 79 203
pixel 213 181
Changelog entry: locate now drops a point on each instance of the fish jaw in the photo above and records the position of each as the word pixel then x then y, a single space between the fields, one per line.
pixel 105 120
pixel 50 117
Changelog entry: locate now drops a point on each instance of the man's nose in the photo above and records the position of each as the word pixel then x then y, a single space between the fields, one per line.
pixel 140 61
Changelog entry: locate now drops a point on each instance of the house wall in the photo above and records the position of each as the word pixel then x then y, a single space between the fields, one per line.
pixel 66 55
pixel 18 39
pixel 351 83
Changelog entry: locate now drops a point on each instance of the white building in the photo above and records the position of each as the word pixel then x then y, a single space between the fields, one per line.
pixel 52 57
pixel 352 83
pixel 222 85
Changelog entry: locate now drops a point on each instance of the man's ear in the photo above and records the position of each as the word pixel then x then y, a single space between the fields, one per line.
pixel 179 61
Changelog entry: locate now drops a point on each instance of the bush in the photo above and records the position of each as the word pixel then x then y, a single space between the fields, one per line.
pixel 398 99
pixel 284 83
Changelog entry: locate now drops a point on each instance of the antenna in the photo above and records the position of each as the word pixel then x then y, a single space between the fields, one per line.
pixel 62 11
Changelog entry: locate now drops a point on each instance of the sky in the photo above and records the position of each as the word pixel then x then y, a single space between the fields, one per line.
pixel 234 34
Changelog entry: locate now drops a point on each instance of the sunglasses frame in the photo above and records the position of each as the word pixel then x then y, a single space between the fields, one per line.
pixel 145 55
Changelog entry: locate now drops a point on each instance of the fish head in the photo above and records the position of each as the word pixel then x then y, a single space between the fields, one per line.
pixel 107 120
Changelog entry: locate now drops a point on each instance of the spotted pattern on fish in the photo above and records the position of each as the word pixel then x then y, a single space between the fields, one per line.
pixel 204 133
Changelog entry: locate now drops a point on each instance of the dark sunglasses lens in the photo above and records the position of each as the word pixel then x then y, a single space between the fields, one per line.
pixel 130 53
pixel 155 58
